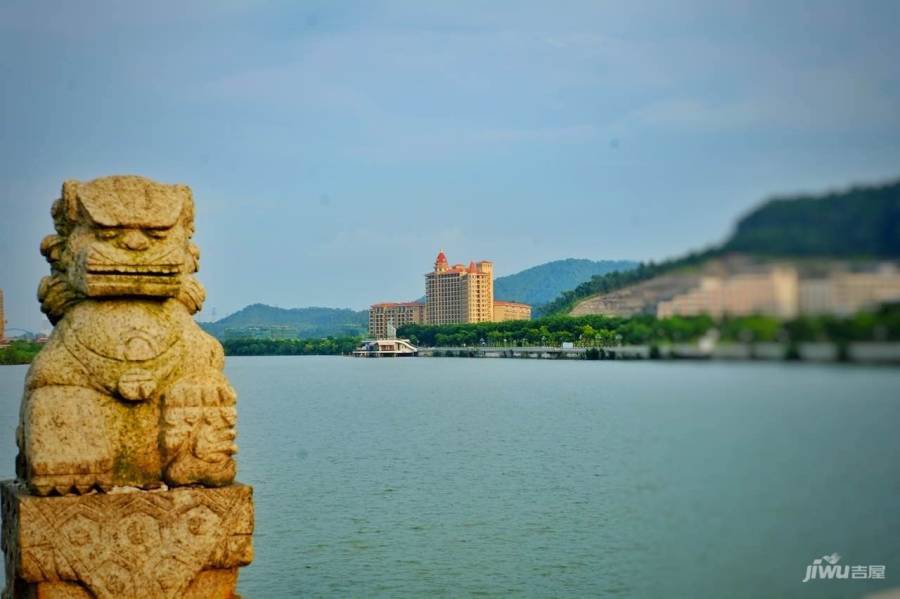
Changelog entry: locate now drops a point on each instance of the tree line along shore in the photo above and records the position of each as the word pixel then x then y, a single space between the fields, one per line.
pixel 607 331
pixel 19 351
pixel 593 331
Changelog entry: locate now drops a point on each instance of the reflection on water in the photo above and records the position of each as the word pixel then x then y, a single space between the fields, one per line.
pixel 517 478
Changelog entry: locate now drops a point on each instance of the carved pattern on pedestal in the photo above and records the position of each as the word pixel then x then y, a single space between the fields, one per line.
pixel 131 545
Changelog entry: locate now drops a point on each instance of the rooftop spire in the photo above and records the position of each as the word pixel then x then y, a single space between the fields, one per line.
pixel 441 262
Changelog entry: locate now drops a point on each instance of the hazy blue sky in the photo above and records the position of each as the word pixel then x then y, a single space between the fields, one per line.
pixel 334 147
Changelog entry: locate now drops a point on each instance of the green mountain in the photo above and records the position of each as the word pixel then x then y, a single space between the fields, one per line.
pixel 260 320
pixel 862 222
pixel 540 284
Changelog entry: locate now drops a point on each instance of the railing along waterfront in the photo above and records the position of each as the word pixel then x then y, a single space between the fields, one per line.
pixel 869 353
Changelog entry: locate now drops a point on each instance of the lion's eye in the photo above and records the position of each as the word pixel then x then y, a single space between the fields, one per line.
pixel 107 233
pixel 158 233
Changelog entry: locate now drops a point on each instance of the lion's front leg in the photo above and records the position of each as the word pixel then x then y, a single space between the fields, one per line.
pixel 198 431
pixel 63 440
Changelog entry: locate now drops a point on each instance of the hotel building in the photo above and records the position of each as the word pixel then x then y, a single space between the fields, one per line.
pixel 453 295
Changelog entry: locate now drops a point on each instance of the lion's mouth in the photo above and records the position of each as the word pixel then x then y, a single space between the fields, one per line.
pixel 104 261
pixel 154 280
pixel 148 270
pixel 108 272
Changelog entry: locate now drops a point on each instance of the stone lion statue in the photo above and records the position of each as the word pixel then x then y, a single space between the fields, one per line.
pixel 128 391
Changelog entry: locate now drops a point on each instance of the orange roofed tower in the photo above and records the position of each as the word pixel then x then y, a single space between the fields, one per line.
pixel 454 294
pixel 459 294
pixel 440 263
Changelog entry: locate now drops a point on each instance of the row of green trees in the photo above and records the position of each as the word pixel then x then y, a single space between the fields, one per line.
pixel 606 331
pixel 583 331
pixel 326 346
pixel 19 352
pixel 23 352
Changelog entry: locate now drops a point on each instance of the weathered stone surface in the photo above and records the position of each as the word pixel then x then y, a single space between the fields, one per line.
pixel 129 391
pixel 127 426
pixel 174 543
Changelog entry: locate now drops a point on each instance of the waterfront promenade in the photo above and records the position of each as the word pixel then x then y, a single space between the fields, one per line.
pixel 869 353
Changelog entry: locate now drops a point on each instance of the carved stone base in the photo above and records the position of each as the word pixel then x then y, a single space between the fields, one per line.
pixel 180 543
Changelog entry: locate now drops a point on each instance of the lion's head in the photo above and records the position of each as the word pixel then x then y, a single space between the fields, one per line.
pixel 120 236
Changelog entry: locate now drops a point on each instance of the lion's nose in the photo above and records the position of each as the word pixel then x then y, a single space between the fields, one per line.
pixel 135 240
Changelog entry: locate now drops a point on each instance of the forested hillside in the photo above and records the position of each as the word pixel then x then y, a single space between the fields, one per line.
pixel 864 221
pixel 860 222
pixel 540 284
pixel 291 322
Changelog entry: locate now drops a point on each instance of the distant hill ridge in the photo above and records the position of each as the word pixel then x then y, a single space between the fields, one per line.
pixel 543 283
pixel 861 222
pixel 299 322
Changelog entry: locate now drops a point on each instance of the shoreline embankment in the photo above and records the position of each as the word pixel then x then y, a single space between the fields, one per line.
pixel 857 353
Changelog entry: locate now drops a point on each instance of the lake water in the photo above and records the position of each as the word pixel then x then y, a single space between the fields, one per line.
pixel 519 478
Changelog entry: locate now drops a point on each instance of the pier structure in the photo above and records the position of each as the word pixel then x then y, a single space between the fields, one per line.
pixel 385 348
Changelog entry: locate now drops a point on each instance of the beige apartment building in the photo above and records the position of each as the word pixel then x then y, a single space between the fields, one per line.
pixel 845 293
pixel 780 291
pixel 773 291
pixel 453 295
pixel 393 315
pixel 511 311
